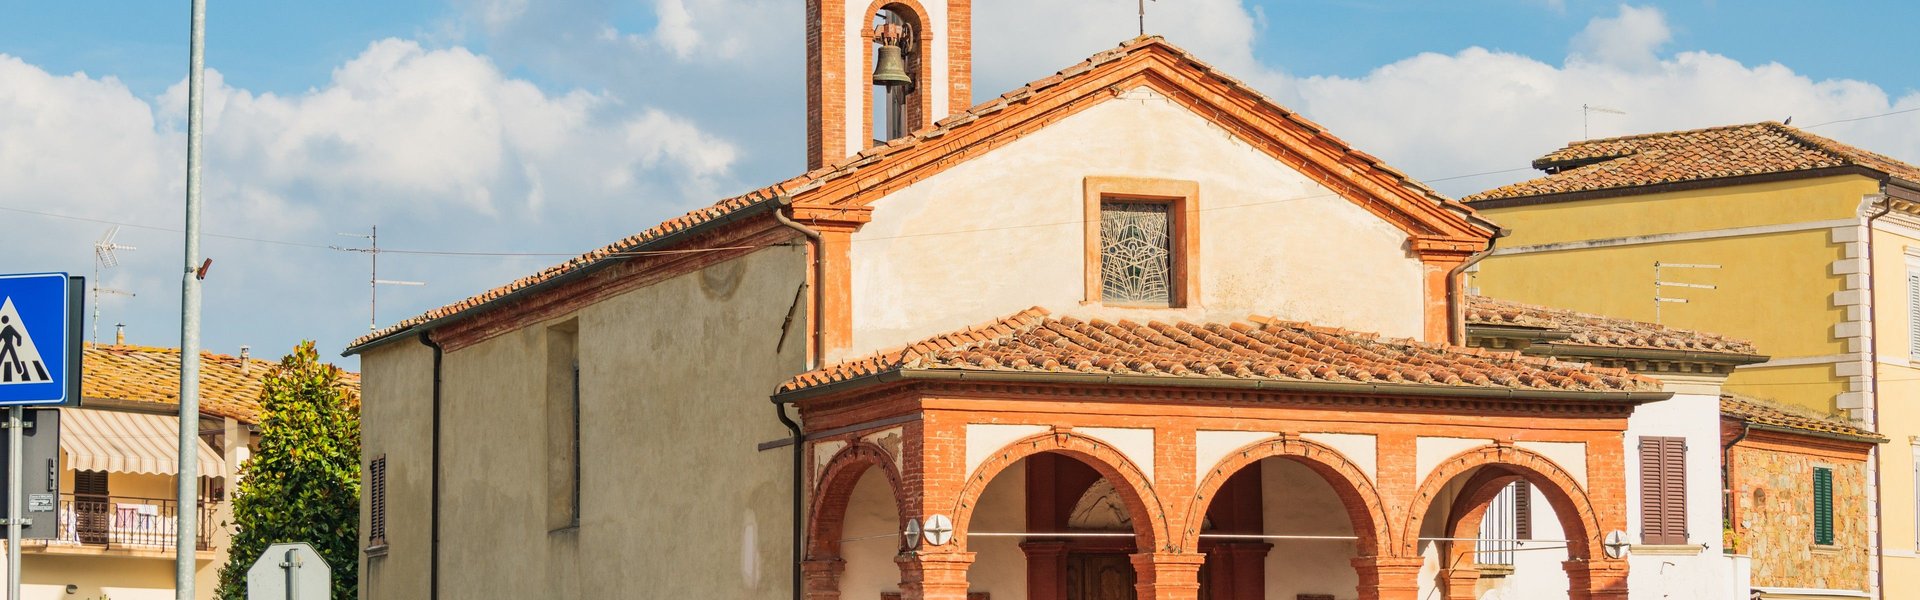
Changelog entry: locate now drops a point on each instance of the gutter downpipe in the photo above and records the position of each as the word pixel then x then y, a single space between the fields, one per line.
pixel 1456 290
pixel 433 526
pixel 1873 399
pixel 814 348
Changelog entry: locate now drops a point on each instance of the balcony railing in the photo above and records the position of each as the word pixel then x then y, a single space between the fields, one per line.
pixel 122 522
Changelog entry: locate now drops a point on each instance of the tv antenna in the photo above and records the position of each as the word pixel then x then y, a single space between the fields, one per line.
pixel 373 279
pixel 1659 285
pixel 105 257
pixel 1586 113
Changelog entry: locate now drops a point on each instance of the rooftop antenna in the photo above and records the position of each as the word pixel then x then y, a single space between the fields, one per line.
pixel 105 257
pixel 1586 112
pixel 1659 284
pixel 373 279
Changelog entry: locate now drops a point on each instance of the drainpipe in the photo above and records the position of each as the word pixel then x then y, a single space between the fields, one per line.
pixel 433 523
pixel 1726 471
pixel 1456 290
pixel 815 322
pixel 1873 401
pixel 799 468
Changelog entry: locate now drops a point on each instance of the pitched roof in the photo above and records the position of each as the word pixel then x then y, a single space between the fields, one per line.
pixel 1778 416
pixel 229 386
pixel 1693 155
pixel 1262 349
pixel 1337 159
pixel 1599 331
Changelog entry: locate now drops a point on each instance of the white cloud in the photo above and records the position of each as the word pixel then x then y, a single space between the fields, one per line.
pixel 1630 39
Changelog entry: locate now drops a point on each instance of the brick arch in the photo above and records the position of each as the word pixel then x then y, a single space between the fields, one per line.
pixel 1460 572
pixel 1356 491
pixel 1136 490
pixel 1569 500
pixel 835 490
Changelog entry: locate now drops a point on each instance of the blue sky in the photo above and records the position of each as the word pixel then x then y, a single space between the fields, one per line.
pixel 554 126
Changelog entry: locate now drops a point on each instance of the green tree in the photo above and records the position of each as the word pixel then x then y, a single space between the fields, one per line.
pixel 303 484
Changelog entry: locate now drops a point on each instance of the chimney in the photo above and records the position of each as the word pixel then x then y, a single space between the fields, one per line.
pixel 119 334
pixel 246 366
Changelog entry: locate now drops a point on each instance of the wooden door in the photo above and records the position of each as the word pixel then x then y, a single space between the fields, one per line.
pixel 1099 577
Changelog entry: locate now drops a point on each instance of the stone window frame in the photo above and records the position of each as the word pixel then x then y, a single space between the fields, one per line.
pixel 1183 198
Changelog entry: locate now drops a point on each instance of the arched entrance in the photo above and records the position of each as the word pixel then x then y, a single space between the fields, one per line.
pixel 1285 518
pixel 1467 520
pixel 853 534
pixel 1058 517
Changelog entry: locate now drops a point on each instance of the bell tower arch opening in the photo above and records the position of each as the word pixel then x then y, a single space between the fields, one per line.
pixel 880 69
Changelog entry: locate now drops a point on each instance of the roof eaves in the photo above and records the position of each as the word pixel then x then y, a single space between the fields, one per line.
pixel 773 200
pixel 897 374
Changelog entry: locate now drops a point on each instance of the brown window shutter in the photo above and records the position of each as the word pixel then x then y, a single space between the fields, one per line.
pixel 90 483
pixel 1673 475
pixel 1522 510
pixel 377 501
pixel 1652 518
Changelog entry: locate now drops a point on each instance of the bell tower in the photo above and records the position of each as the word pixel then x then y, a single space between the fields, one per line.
pixel 879 69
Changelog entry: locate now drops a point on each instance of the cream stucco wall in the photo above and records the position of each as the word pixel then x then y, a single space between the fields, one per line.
pixel 999 565
pixel 1896 256
pixel 1297 501
pixel 1704 571
pixel 674 380
pixel 46 577
pixel 1005 231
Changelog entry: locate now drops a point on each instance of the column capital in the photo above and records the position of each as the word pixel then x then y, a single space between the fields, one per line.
pixel 1604 579
pixel 1388 577
pixel 933 575
pixel 1167 575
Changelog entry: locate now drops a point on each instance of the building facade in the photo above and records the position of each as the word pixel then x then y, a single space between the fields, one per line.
pixel 118 469
pixel 1762 231
pixel 1129 331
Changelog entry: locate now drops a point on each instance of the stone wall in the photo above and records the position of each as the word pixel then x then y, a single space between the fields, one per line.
pixel 1773 495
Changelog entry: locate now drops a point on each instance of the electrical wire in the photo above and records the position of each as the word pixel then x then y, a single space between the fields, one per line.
pixel 1885 114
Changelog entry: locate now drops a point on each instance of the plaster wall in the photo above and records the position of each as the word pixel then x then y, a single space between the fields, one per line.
pixel 396 391
pixel 1897 256
pixel 1702 571
pixel 872 538
pixel 999 565
pixel 674 379
pixel 1297 501
pixel 1005 231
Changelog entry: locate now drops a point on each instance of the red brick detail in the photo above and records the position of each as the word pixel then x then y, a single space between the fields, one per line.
pixel 835 489
pixel 1388 578
pixel 1364 508
pixel 934 575
pixel 1167 575
pixel 826 82
pixel 1604 579
pixel 1578 517
pixel 1460 573
pixel 822 578
pixel 959 56
pixel 1148 514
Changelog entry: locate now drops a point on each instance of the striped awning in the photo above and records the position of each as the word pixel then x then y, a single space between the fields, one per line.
pixel 124 442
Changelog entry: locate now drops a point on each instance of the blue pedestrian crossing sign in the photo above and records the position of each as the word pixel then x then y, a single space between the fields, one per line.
pixel 39 343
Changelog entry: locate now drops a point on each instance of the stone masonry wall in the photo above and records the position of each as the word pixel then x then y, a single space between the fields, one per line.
pixel 1774 518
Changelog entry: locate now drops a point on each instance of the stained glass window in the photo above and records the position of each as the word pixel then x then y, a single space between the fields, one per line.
pixel 1136 253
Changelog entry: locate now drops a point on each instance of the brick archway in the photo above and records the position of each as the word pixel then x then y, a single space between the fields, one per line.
pixel 1459 571
pixel 835 490
pixel 1569 499
pixel 1135 488
pixel 1356 491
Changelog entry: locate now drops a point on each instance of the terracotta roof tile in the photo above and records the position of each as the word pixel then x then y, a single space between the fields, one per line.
pixel 1597 330
pixel 1698 154
pixel 1259 349
pixel 229 385
pixel 1782 416
pixel 870 156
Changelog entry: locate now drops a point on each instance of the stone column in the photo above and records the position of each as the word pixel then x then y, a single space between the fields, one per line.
pixel 1604 579
pixel 1046 570
pixel 1167 575
pixel 822 578
pixel 938 575
pixel 1388 577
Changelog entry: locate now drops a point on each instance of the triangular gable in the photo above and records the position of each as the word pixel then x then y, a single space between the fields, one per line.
pixel 844 191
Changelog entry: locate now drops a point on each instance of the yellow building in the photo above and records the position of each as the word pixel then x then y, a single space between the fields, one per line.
pixel 118 468
pixel 1808 247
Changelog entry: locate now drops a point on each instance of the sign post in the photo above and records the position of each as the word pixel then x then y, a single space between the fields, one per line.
pixel 290 571
pixel 39 366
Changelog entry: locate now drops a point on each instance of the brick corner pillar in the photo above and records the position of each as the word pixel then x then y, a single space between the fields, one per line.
pixel 1046 569
pixel 1167 575
pixel 934 575
pixel 1388 577
pixel 822 577
pixel 1596 579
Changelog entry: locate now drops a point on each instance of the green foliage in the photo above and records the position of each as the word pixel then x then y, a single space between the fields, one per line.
pixel 303 484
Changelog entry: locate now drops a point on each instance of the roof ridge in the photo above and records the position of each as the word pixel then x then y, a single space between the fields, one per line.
pixel 1661 134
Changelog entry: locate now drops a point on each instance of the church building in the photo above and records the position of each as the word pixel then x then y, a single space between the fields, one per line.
pixel 1129 331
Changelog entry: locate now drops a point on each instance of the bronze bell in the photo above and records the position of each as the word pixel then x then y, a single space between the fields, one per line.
pixel 891 69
